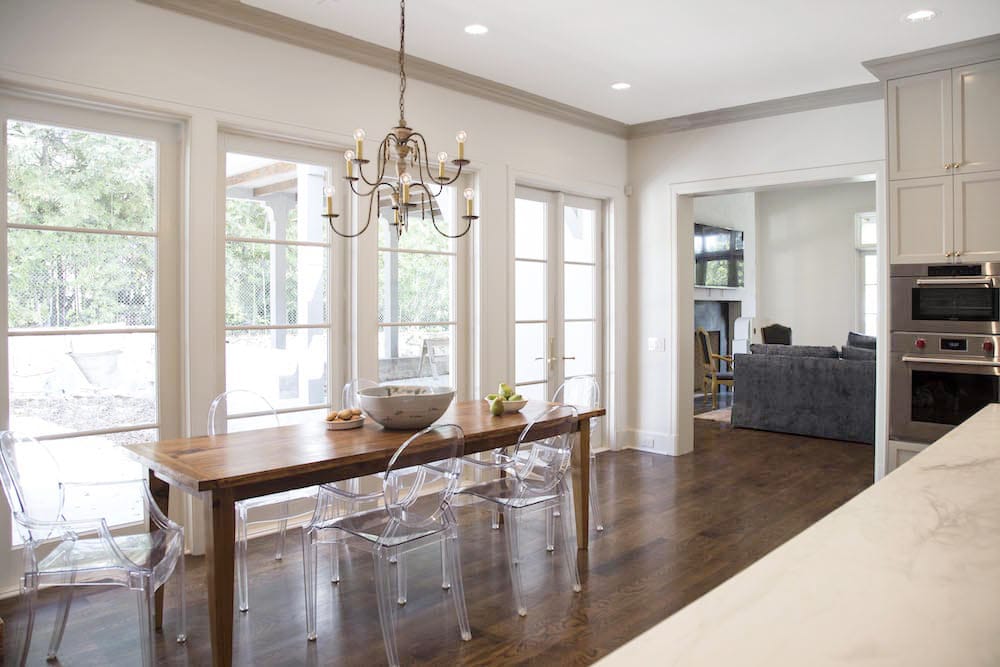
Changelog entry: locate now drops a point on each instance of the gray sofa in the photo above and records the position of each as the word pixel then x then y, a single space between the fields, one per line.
pixel 807 390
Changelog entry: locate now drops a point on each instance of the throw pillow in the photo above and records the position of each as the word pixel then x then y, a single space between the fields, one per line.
pixel 858 353
pixel 821 351
pixel 855 339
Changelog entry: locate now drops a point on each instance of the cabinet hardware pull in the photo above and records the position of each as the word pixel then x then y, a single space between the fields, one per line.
pixel 958 253
pixel 947 254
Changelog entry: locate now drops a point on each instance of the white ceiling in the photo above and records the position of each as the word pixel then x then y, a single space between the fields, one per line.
pixel 680 57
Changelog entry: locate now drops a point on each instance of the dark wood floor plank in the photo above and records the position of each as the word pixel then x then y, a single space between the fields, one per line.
pixel 676 528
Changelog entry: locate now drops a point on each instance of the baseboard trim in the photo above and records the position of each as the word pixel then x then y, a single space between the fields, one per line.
pixel 649 441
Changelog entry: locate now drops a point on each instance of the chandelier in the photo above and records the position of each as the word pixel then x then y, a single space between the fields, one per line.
pixel 403 170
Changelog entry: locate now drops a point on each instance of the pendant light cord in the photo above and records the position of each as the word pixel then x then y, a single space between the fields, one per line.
pixel 402 60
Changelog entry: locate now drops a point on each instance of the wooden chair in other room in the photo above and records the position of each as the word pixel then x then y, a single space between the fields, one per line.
pixel 713 377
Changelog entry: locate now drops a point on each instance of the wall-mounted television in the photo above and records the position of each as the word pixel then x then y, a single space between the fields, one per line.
pixel 718 256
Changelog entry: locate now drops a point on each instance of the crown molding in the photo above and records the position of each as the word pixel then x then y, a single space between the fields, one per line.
pixel 235 14
pixel 938 58
pixel 865 92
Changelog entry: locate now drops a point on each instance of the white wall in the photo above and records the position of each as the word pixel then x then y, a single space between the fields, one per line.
pixel 722 154
pixel 808 264
pixel 209 78
pixel 735 211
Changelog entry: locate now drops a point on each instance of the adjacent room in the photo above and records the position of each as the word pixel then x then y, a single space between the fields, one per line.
pixel 357 332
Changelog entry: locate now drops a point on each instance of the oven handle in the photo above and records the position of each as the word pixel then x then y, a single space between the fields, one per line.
pixel 951 362
pixel 970 282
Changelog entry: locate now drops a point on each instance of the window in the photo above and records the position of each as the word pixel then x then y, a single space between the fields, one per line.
pixel 91 256
pixel 866 241
pixel 418 293
pixel 277 318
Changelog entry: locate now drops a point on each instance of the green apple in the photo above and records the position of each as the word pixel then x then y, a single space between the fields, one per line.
pixel 505 390
pixel 496 407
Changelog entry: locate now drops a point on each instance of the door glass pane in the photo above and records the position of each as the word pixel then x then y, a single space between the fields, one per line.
pixel 579 227
pixel 529 290
pixel 529 229
pixel 580 344
pixel 421 234
pixel 275 284
pixel 871 270
pixel 72 178
pixel 414 287
pixel 274 199
pixel 871 324
pixel 529 343
pixel 285 366
pixel 578 286
pixel 534 392
pixel 415 354
pixel 72 279
pixel 63 384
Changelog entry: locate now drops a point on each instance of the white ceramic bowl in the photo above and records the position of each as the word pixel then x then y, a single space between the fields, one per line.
pixel 405 407
pixel 510 406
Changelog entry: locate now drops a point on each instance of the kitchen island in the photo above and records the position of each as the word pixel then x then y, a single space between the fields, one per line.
pixel 905 573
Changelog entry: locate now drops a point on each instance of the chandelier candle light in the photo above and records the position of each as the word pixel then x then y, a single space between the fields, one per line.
pixel 403 151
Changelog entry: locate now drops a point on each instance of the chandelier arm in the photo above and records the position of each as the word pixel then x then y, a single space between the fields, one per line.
pixel 375 186
pixel 361 167
pixel 368 220
pixel 468 222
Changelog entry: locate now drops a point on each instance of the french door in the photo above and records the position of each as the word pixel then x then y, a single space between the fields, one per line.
pixel 558 305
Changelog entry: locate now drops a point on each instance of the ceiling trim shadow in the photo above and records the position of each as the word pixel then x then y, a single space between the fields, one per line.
pixel 235 14
pixel 865 92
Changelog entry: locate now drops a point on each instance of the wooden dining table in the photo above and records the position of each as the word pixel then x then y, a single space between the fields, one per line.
pixel 224 469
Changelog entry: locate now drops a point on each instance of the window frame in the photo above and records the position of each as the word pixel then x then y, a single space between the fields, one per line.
pixel 366 302
pixel 339 260
pixel 168 135
pixel 863 250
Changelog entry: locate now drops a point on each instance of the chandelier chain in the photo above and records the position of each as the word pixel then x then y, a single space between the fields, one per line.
pixel 402 59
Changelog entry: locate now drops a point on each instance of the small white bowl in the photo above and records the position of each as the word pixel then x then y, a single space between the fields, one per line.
pixel 511 406
pixel 405 407
pixel 354 422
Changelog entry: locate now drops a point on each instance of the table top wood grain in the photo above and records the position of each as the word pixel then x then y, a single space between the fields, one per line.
pixel 284 457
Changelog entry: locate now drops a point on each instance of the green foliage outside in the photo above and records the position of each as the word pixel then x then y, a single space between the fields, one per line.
pixel 67 178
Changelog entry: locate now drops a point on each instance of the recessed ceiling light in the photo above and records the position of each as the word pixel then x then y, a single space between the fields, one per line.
pixel 476 29
pixel 621 85
pixel 920 16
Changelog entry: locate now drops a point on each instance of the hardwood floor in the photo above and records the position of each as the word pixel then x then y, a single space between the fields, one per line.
pixel 676 528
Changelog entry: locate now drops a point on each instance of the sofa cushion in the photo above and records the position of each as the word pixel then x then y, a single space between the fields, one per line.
pixel 858 353
pixel 820 351
pixel 855 339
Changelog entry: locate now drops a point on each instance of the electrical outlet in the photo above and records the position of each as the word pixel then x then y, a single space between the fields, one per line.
pixel 651 344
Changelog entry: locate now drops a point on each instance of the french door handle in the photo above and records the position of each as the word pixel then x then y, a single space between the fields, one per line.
pixel 569 358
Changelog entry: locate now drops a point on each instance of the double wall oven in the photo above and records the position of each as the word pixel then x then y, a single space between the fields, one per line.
pixel 945 364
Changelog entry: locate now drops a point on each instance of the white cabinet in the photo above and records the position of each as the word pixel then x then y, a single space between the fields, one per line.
pixel 944 165
pixel 901 452
pixel 944 122
pixel 977 216
pixel 921 220
pixel 920 125
pixel 976 122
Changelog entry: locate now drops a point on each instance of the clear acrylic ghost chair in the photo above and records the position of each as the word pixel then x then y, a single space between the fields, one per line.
pixel 583 392
pixel 418 485
pixel 278 507
pixel 536 480
pixel 81 550
pixel 348 492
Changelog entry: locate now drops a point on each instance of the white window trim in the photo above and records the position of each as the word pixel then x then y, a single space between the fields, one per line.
pixel 863 250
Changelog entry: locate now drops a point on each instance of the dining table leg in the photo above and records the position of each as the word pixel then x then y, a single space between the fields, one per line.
pixel 220 510
pixel 160 491
pixel 581 485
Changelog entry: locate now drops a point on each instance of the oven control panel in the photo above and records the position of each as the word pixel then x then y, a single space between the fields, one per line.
pixel 948 345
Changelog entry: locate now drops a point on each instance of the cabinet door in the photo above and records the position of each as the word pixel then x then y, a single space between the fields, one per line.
pixel 920 133
pixel 920 220
pixel 977 217
pixel 976 95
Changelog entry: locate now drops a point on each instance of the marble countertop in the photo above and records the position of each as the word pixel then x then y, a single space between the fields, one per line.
pixel 906 573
